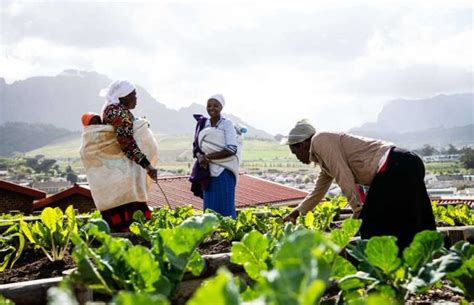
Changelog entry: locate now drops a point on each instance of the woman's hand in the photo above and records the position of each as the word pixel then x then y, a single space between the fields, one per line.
pixel 204 162
pixel 152 172
pixel 292 216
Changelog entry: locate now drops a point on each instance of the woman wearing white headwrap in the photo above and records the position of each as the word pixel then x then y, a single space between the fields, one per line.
pixel 219 193
pixel 121 97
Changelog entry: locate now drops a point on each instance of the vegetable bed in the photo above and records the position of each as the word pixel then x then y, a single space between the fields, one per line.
pixel 164 260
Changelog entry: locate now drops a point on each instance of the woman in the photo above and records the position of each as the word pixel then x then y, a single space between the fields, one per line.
pixel 121 97
pixel 219 157
pixel 397 202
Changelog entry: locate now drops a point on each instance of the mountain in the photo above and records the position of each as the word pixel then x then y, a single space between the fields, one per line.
pixel 61 100
pixel 437 137
pixel 441 111
pixel 23 137
pixel 438 121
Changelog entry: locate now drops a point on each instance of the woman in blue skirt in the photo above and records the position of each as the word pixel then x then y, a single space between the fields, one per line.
pixel 218 153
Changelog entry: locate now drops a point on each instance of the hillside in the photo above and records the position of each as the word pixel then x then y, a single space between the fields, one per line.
pixel 61 100
pixel 23 137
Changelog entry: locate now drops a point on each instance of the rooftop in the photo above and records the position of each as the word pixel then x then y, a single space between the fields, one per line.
pixel 24 190
pixel 251 191
pixel 75 189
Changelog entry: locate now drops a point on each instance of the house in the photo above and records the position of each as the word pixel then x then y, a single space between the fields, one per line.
pixel 52 187
pixel 78 195
pixel 14 197
pixel 250 192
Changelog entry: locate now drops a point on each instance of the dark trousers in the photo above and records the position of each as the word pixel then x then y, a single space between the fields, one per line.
pixel 397 202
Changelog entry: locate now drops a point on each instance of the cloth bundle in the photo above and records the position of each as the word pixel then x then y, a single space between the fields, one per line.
pixel 114 179
pixel 212 140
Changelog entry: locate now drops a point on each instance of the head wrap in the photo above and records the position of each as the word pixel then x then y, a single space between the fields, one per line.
pixel 87 117
pixel 219 98
pixel 302 131
pixel 116 90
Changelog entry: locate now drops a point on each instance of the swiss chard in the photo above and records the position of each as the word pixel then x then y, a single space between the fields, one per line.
pixel 52 233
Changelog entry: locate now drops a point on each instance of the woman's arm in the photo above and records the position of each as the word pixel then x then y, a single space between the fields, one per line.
pixel 122 122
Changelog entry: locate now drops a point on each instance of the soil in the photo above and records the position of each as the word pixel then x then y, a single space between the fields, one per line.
pixel 215 247
pixel 434 295
pixel 34 265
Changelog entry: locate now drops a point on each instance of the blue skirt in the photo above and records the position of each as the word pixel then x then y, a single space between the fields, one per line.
pixel 220 194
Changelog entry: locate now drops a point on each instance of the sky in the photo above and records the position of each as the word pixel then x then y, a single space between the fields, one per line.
pixel 333 62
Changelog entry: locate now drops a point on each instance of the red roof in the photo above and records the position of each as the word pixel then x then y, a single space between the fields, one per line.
pixel 75 189
pixel 251 191
pixel 28 191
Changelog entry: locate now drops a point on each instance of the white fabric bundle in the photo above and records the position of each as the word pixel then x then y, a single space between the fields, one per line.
pixel 212 140
pixel 113 178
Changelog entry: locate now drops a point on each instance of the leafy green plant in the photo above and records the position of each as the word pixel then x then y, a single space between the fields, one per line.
pixel 52 234
pixel 323 214
pixel 12 243
pixel 117 265
pixel 297 269
pixel 463 278
pixel 382 270
pixel 453 215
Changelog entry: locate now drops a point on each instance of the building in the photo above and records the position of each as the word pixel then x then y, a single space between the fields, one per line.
pixel 78 195
pixel 442 158
pixel 250 192
pixel 14 197
pixel 437 193
pixel 52 187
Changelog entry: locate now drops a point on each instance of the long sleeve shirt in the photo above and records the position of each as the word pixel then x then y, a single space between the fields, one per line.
pixel 349 160
pixel 122 121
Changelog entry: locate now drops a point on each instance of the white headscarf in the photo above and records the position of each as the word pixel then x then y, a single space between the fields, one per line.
pixel 219 98
pixel 116 90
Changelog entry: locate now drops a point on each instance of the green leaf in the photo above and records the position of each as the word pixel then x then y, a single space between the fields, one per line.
pixel 349 229
pixel 219 290
pixel 312 293
pixel 341 268
pixel 309 220
pixel 26 230
pixel 146 268
pixel 251 253
pixel 434 271
pixel 421 250
pixel 130 298
pixel 50 217
pixel 196 263
pixel 382 252
pixel 180 242
pixel 463 278
pixel 355 281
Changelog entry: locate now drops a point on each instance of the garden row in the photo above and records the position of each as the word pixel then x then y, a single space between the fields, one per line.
pixel 275 263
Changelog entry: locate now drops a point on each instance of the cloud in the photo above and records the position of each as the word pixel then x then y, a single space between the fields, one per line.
pixel 276 62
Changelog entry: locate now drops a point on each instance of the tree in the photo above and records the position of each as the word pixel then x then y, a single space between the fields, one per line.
pixel 70 174
pixel 452 150
pixel 467 158
pixel 428 150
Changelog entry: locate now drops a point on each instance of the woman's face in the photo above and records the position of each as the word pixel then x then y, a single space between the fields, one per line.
pixel 214 108
pixel 129 101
